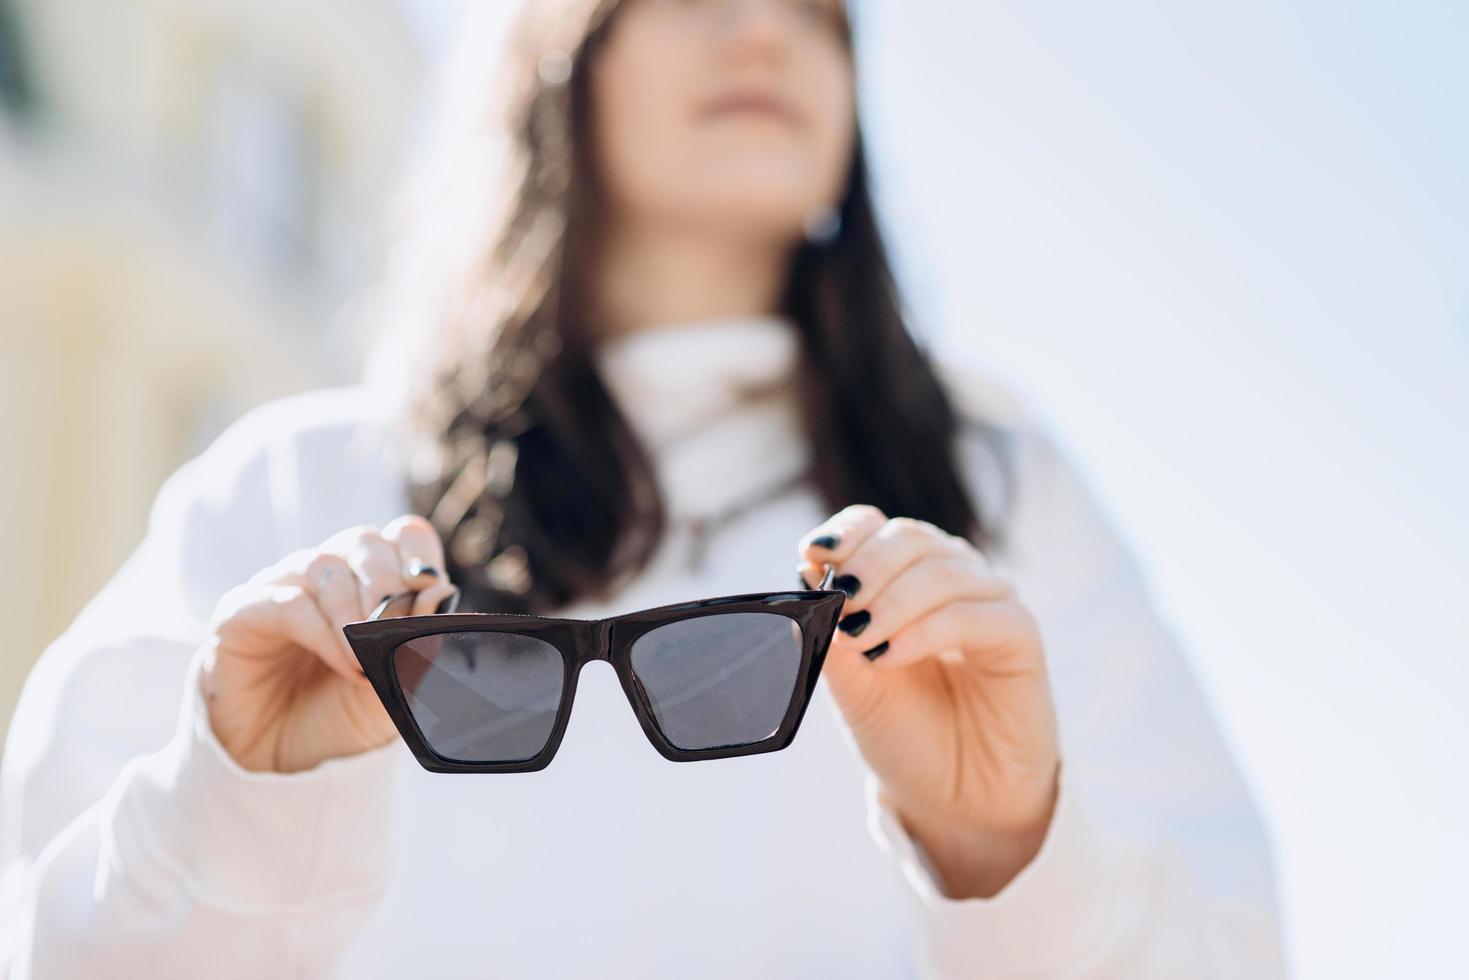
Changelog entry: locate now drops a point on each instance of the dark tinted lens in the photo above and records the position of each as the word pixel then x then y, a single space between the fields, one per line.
pixel 481 697
pixel 720 679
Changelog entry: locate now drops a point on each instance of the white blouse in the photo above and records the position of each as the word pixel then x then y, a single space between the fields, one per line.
pixel 131 844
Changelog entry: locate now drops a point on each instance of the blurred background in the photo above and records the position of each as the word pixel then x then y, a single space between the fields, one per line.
pixel 1222 248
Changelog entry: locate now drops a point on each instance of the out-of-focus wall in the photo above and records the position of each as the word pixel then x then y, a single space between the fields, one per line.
pixel 188 194
pixel 124 353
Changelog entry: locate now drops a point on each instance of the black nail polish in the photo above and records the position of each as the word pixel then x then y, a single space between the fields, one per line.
pixel 848 584
pixel 876 651
pixel 419 567
pixel 855 623
pixel 827 541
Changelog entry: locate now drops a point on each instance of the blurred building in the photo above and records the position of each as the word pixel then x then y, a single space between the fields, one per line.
pixel 189 191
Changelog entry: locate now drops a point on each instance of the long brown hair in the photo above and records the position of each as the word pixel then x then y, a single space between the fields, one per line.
pixel 539 487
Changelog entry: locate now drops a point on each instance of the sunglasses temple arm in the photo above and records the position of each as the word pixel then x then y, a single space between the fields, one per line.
pixel 826 578
pixel 383 606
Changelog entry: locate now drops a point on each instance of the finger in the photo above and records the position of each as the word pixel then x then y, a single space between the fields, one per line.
pixel 375 563
pixel 427 602
pixel 837 537
pixel 421 561
pixel 810 573
pixel 893 547
pixel 328 580
pixel 296 615
pixel 919 588
pixel 420 552
pixel 999 637
pixel 331 582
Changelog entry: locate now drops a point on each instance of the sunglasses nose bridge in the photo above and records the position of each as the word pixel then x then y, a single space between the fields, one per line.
pixel 594 640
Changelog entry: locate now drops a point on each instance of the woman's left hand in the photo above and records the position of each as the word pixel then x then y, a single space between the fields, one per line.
pixel 954 715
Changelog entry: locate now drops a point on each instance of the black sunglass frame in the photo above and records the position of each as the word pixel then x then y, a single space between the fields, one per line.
pixel 580 641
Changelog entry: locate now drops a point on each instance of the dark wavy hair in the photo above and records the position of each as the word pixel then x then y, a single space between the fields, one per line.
pixel 538 486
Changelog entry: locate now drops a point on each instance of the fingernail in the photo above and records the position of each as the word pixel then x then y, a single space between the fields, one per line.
pixel 826 541
pixel 848 584
pixel 419 567
pixel 876 651
pixel 855 623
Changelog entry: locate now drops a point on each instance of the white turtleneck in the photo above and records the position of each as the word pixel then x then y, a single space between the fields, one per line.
pixel 715 402
pixel 131 845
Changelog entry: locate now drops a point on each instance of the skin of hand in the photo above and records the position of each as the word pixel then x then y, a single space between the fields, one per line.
pixel 283 688
pixel 954 715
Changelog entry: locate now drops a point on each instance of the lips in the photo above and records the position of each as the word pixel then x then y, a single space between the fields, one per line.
pixel 751 102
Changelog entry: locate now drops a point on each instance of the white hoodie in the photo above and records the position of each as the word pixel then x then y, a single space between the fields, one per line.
pixel 131 844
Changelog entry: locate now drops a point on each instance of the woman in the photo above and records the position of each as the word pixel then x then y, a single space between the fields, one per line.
pixel 660 357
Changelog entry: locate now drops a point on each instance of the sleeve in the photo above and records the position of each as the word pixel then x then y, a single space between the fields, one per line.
pixel 1156 863
pixel 131 843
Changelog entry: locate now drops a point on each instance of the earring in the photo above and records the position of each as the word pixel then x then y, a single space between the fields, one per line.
pixel 822 224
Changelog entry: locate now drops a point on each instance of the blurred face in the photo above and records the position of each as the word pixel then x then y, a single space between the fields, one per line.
pixel 736 115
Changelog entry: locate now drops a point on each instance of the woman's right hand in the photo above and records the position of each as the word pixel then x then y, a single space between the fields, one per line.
pixel 283 688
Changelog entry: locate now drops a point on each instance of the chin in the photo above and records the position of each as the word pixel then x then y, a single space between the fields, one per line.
pixel 766 201
pixel 759 215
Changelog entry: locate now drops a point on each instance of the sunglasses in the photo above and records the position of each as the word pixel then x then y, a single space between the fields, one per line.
pixel 492 692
